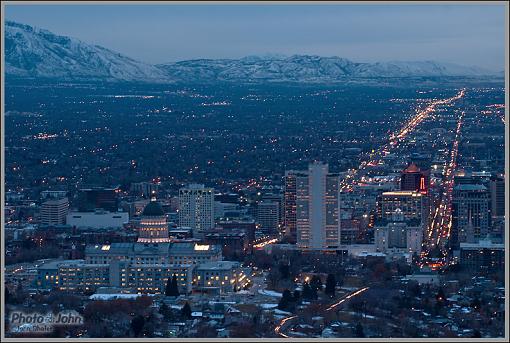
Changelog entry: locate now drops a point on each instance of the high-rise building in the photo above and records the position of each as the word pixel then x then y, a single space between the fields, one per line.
pixel 278 198
pixel 196 208
pixel 318 208
pixel 289 205
pixel 90 199
pixel 470 214
pixel 54 212
pixel 414 179
pixel 412 204
pixel 268 214
pixel 497 190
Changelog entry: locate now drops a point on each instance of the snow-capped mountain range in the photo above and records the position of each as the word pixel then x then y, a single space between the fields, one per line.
pixel 36 53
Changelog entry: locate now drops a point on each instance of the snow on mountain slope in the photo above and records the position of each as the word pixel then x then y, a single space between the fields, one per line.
pixel 310 68
pixel 33 52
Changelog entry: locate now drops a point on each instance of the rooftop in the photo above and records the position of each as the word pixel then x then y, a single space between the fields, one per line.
pixel 470 187
pixel 219 265
pixel 412 168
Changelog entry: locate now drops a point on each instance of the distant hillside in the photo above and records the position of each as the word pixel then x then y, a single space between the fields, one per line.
pixel 32 52
pixel 36 53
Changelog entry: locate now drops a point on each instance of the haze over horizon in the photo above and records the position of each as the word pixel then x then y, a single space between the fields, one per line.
pixel 461 34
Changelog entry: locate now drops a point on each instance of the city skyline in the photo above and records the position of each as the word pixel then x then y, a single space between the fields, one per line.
pixel 262 197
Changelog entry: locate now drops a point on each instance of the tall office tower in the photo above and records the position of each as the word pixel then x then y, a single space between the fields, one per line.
pixel 289 205
pixel 412 204
pixel 196 208
pixel 470 214
pixel 278 198
pixel 414 179
pixel 153 224
pixel 268 214
pixel 90 199
pixel 318 208
pixel 497 190
pixel 54 212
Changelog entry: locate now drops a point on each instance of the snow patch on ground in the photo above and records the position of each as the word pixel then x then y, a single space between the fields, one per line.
pixel 277 311
pixel 114 296
pixel 270 293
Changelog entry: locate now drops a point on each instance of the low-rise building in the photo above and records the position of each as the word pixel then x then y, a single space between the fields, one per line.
pixel 398 235
pixel 220 277
pixel 233 242
pixel 77 275
pixel 144 265
pixel 98 219
pixel 482 255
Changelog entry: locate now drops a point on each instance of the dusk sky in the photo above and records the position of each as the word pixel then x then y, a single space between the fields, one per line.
pixel 463 34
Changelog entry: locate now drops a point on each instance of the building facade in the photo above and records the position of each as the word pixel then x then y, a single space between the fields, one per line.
pixel 97 219
pixel 414 179
pixel 412 204
pixel 471 216
pixel 196 208
pixel 289 204
pixel 497 195
pixel 153 224
pixel 144 266
pixel 318 208
pixel 54 211
pixel 220 277
pixel 484 255
pixel 268 214
pixel 398 235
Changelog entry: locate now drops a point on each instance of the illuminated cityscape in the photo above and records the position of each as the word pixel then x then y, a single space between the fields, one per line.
pixel 268 196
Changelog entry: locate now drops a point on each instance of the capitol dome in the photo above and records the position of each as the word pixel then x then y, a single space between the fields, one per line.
pixel 153 224
pixel 153 209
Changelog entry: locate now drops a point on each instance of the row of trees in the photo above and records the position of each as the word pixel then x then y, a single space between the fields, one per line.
pixel 141 324
pixel 169 315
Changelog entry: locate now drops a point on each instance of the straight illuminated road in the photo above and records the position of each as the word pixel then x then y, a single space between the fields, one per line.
pixel 439 229
pixel 395 141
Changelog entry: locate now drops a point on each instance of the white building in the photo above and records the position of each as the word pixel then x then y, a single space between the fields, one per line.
pixel 196 208
pixel 398 235
pixel 220 277
pixel 54 212
pixel 98 219
pixel 318 208
pixel 143 266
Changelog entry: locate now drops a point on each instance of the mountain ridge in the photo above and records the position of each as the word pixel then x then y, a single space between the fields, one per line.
pixel 31 52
